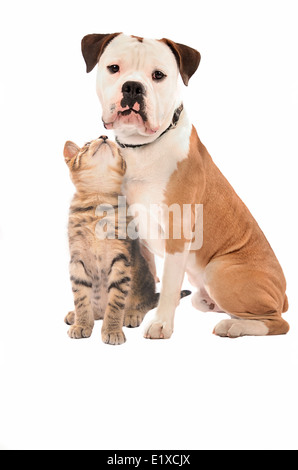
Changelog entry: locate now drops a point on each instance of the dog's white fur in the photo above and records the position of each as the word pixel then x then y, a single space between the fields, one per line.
pixel 149 168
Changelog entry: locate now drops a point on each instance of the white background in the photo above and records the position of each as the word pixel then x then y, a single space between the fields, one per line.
pixel 195 391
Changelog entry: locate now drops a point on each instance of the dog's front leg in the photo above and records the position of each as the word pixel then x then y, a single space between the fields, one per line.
pixel 162 326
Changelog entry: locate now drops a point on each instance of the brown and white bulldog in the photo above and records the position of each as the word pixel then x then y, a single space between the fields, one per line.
pixel 234 269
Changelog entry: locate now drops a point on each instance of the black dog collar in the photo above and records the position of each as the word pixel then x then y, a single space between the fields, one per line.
pixel 173 124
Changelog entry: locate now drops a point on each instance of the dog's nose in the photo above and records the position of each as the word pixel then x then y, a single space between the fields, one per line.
pixel 133 90
pixel 104 138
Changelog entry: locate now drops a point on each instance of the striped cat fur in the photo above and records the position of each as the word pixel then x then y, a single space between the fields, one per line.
pixel 110 278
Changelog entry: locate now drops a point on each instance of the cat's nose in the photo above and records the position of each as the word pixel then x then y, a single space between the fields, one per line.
pixel 104 138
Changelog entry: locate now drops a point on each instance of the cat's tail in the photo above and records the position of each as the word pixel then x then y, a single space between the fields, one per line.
pixel 183 293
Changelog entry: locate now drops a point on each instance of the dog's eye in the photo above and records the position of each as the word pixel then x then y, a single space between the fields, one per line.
pixel 113 68
pixel 158 75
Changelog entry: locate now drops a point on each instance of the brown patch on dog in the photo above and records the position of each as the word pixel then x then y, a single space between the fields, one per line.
pixel 277 326
pixel 186 186
pixel 138 38
pixel 241 271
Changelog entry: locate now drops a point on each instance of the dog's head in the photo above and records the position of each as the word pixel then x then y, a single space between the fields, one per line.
pixel 137 80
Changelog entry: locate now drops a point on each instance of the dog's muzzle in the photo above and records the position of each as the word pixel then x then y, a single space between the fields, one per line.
pixel 133 92
pixel 133 100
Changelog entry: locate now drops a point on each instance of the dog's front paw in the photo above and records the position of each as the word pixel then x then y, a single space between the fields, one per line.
pixel 78 332
pixel 114 338
pixel 158 329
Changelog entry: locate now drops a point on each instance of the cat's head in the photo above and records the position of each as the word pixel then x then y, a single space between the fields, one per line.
pixel 98 167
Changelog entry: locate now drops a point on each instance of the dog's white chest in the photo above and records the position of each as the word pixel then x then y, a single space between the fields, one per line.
pixel 145 195
pixel 149 170
pixel 145 188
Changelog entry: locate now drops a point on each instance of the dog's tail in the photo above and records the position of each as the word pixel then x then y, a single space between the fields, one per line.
pixel 183 293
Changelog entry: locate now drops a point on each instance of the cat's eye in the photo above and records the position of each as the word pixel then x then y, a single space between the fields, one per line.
pixel 113 68
pixel 158 75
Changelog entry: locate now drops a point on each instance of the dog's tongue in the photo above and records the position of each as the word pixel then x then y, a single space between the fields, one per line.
pixel 136 107
pixel 131 115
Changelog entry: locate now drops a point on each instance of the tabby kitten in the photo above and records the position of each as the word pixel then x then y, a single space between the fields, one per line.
pixel 110 278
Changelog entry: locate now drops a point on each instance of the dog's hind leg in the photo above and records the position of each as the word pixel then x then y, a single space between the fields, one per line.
pixel 203 302
pixel 254 298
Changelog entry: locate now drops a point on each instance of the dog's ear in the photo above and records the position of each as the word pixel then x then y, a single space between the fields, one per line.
pixel 93 46
pixel 188 59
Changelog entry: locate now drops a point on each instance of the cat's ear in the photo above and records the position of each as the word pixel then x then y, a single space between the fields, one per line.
pixel 70 151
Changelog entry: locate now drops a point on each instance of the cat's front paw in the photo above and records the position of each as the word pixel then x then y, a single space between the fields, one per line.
pixel 78 332
pixel 115 338
pixel 133 320
pixel 70 318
